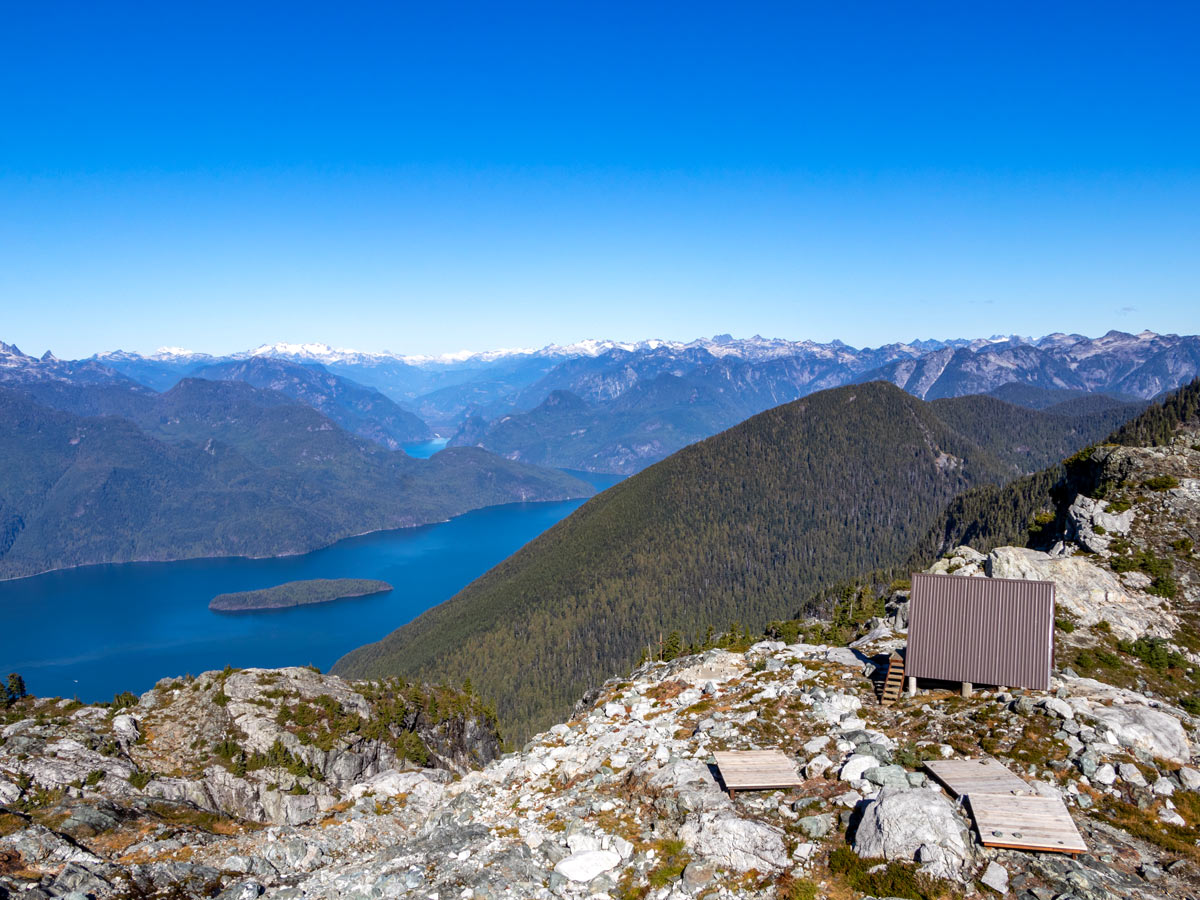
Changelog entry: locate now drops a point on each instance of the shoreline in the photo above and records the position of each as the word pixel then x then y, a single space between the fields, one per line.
pixel 232 556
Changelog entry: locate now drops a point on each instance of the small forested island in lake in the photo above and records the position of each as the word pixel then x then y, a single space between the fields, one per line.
pixel 298 593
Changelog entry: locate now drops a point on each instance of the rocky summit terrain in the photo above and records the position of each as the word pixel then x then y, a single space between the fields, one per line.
pixel 155 799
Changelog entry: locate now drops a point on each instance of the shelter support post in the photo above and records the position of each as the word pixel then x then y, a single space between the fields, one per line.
pixel 966 689
pixel 912 685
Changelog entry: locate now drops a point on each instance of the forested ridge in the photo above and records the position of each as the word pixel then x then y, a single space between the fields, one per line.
pixel 220 469
pixel 1028 439
pixel 746 526
pixel 1159 424
pixel 1031 508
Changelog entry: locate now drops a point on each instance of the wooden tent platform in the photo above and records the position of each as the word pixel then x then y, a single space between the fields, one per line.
pixel 1006 810
pixel 756 770
pixel 963 777
pixel 1025 822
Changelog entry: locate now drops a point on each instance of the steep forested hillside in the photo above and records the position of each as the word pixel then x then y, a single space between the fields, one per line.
pixel 360 410
pixel 218 469
pixel 995 515
pixel 743 526
pixel 1029 439
pixel 1159 424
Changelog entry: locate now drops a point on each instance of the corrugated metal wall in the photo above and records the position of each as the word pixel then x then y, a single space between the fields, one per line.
pixel 983 630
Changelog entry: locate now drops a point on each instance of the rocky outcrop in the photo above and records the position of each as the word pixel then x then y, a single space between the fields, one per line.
pixel 1093 527
pixel 921 825
pixel 1090 593
pixel 735 843
pixel 1131 720
pixel 623 799
pixel 278 746
pixel 1087 591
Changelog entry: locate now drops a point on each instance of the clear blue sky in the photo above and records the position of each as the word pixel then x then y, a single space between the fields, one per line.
pixel 427 177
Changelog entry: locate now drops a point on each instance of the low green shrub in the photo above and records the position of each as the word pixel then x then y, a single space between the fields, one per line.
pixel 895 879
pixel 1161 483
pixel 1154 652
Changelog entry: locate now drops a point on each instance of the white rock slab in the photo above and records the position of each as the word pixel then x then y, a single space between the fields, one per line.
pixel 587 864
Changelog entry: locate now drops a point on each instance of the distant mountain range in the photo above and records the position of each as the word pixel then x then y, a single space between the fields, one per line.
pixel 97 468
pixel 611 406
pixel 621 411
pixel 744 526
pixel 360 410
pixel 1143 365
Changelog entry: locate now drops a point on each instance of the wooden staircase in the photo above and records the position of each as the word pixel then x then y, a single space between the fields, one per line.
pixel 893 685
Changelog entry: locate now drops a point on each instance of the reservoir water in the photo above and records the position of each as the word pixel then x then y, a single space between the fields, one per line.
pixel 426 449
pixel 94 631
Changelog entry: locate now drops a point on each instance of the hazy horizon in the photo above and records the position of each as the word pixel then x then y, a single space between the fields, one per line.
pixel 464 352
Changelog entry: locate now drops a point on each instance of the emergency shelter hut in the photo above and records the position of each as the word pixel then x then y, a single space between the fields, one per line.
pixel 995 631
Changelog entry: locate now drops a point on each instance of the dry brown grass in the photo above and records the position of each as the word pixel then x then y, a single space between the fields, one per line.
pixel 10 862
pixel 10 823
pixel 1145 825
pixel 115 843
pixel 666 690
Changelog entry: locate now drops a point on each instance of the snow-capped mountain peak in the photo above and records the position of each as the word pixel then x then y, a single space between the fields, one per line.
pixel 313 351
pixel 462 356
pixel 166 353
pixel 11 356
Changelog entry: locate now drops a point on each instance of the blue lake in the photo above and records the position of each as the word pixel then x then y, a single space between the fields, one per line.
pixel 426 449
pixel 94 631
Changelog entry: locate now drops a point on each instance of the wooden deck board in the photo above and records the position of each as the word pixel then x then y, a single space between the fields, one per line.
pixel 1025 822
pixel 972 776
pixel 1006 810
pixel 756 770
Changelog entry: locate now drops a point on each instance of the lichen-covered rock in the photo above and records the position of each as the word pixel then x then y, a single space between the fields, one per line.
pixel 964 560
pixel 9 792
pixel 590 807
pixel 1139 727
pixel 1057 707
pixel 39 845
pixel 856 766
pixel 587 864
pixel 419 791
pixel 1085 514
pixel 888 776
pixel 836 707
pixel 817 766
pixel 692 783
pixel 736 843
pixel 1088 592
pixel 918 825
pixel 816 827
pixel 125 729
pixel 995 876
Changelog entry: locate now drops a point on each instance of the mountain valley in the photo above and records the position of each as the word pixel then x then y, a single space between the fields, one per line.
pixel 220 469
pixel 640 402
pixel 747 526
